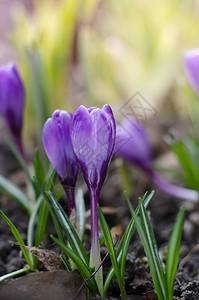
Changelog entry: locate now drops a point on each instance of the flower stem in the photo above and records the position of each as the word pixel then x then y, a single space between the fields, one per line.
pixel 19 145
pixel 95 248
pixel 70 194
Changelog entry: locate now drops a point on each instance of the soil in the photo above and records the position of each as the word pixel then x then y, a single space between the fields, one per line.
pixel 163 210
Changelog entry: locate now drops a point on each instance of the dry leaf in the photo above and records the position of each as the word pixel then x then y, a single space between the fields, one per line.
pixel 50 259
pixel 117 230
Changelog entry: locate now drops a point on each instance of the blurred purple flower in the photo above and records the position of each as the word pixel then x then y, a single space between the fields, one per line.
pixel 12 98
pixel 191 66
pixel 57 143
pixel 93 139
pixel 132 144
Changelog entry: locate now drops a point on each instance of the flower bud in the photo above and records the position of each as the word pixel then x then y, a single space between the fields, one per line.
pixel 12 98
pixel 93 138
pixel 57 143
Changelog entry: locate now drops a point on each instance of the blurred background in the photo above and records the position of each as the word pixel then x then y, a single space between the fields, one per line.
pixel 92 52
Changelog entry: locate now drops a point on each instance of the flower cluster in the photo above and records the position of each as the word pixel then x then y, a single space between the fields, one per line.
pixel 86 138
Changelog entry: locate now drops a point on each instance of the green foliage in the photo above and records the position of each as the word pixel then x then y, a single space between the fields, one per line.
pixel 12 190
pixel 173 253
pixel 75 251
pixel 82 267
pixel 19 240
pixel 39 171
pixel 163 281
pixel 67 226
pixel 186 151
pixel 124 244
pixel 111 249
pixel 33 205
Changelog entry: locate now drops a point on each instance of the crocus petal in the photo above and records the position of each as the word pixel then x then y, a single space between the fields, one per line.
pixel 191 66
pixel 57 143
pixel 93 137
pixel 12 98
pixel 58 147
pixel 172 189
pixel 132 143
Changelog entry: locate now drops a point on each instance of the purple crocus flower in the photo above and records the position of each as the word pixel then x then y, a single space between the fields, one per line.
pixel 132 144
pixel 191 66
pixel 12 98
pixel 93 138
pixel 57 143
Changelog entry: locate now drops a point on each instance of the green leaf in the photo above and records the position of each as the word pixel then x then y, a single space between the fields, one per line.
pixel 42 222
pixel 19 239
pixel 21 162
pixel 146 225
pixel 65 263
pixel 187 163
pixel 12 274
pixel 124 243
pixel 102 241
pixel 80 211
pixel 80 264
pixel 130 231
pixel 43 214
pixel 67 226
pixel 50 182
pixel 56 224
pixel 10 189
pixel 145 231
pixel 39 169
pixel 173 252
pixel 31 227
pixel 111 249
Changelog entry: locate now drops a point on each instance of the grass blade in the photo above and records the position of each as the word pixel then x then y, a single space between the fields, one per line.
pixel 111 249
pixel 173 253
pixel 80 264
pixel 42 222
pixel 39 169
pixel 150 250
pixel 31 227
pixel 19 239
pixel 124 244
pixel 187 163
pixel 21 162
pixel 67 226
pixel 10 189
pixel 146 225
pixel 12 274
